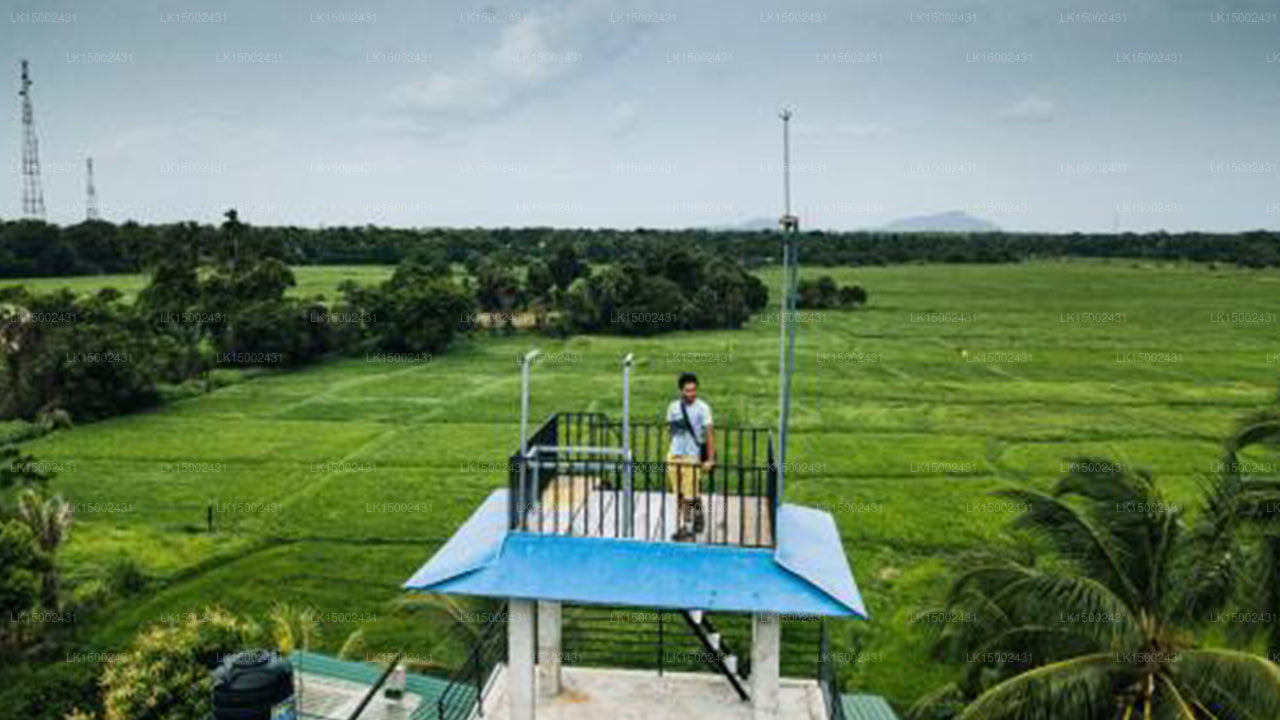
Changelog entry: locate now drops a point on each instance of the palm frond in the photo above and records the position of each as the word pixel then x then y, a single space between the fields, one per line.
pixel 1173 705
pixel 926 707
pixel 1076 688
pixel 1091 609
pixel 1260 428
pixel 1230 683
pixel 353 646
pixel 1077 538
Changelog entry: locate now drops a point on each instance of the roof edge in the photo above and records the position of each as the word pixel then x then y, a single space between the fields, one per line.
pixel 800 528
pixel 477 544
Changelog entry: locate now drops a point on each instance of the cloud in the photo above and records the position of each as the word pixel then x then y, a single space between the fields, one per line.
pixel 545 48
pixel 1030 109
pixel 622 120
pixel 863 130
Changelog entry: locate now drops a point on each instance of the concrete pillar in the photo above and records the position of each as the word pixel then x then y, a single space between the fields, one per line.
pixel 550 625
pixel 766 652
pixel 520 659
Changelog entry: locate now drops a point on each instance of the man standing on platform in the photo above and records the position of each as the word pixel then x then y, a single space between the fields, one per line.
pixel 692 452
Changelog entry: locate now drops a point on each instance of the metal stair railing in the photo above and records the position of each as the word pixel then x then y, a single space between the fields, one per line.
pixel 827 680
pixel 464 696
pixel 718 655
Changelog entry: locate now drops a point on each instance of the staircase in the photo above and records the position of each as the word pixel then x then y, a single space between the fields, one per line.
pixel 721 656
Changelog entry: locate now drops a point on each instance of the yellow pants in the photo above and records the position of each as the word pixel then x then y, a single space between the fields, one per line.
pixel 683 474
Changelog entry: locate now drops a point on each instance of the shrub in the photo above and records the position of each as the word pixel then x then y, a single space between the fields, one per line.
pixel 125 576
pixel 167 672
pixel 825 294
pixel 20 569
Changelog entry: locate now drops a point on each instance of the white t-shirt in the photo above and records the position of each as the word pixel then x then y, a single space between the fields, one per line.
pixel 682 443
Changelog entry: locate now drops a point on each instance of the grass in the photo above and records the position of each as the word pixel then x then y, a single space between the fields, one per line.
pixel 311 280
pixel 904 445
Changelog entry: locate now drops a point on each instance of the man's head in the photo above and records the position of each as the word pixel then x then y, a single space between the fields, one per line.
pixel 688 383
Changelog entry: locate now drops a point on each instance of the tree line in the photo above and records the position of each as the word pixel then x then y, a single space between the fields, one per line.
pixel 219 299
pixel 35 249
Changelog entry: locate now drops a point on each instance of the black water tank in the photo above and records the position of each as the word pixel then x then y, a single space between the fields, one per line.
pixel 253 685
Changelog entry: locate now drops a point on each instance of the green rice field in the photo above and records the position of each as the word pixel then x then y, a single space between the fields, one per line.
pixel 311 280
pixel 334 483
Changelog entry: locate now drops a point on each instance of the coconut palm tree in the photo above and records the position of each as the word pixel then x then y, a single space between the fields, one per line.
pixel 1099 627
pixel 50 520
pixel 1242 528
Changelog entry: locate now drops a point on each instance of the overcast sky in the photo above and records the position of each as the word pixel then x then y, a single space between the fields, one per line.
pixel 1037 115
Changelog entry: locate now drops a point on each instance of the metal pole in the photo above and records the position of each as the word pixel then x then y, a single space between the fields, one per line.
pixel 628 484
pixel 786 335
pixel 786 115
pixel 524 399
pixel 522 500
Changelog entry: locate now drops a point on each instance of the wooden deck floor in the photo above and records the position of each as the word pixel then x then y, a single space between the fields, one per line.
pixel 576 505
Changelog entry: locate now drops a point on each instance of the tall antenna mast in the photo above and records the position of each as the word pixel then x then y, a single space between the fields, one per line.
pixel 786 326
pixel 32 194
pixel 91 193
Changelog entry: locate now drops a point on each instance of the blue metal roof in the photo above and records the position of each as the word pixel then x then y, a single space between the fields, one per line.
pixel 808 575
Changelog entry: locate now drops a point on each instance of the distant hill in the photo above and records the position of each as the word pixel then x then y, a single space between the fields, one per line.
pixel 954 221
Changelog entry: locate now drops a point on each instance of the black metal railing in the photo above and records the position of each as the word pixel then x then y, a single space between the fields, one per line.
pixel 468 684
pixel 641 638
pixel 576 479
pixel 569 429
pixel 661 640
pixel 828 682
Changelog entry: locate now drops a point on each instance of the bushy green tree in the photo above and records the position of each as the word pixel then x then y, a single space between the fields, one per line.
pixel 668 288
pixel 20 569
pixel 566 265
pixel 281 332
pixel 245 286
pixel 498 288
pixel 19 470
pixel 167 672
pixel 853 296
pixel 539 280
pixel 825 294
pixel 415 311
pixel 36 248
pixel 91 357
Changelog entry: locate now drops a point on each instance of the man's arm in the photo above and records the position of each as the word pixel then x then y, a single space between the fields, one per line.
pixel 711 448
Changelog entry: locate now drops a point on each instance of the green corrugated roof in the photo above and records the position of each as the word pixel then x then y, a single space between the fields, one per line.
pixel 424 686
pixel 867 707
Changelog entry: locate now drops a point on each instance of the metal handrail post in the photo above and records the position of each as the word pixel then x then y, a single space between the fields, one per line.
pixel 522 500
pixel 479 684
pixel 628 496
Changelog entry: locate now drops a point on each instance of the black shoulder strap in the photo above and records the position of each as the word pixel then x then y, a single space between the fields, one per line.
pixel 688 424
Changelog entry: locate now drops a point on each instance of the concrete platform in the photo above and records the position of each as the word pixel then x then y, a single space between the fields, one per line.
pixel 582 506
pixel 611 694
pixel 320 696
